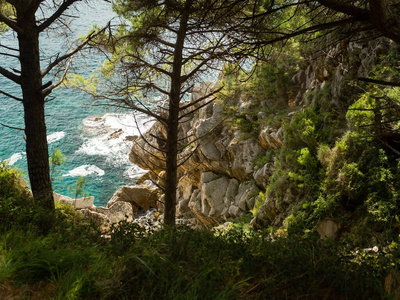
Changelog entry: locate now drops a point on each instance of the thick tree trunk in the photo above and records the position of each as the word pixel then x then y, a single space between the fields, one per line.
pixel 171 165
pixel 34 114
pixel 173 123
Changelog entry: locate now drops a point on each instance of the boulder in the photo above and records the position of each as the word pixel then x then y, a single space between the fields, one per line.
pixel 205 126
pixel 141 197
pixel 183 210
pixel 327 228
pixel 200 209
pixel 80 203
pixel 99 219
pixel 116 212
pixel 231 192
pixel 116 134
pixel 245 198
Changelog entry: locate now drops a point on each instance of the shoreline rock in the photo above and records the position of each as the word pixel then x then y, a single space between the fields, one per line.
pixel 125 203
pixel 218 179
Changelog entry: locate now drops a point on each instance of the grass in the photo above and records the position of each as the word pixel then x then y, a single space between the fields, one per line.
pixel 72 260
pixel 183 263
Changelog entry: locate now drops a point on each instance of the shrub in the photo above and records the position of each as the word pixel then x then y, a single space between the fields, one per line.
pixel 16 202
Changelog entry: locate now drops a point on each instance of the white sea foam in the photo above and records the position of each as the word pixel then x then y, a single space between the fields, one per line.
pixel 130 124
pixel 134 172
pixel 85 170
pixel 106 135
pixel 51 138
pixel 14 158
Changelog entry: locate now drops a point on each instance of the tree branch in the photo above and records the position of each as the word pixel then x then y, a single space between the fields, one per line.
pixel 47 91
pixel 314 28
pixel 343 7
pixel 10 23
pixel 380 82
pixel 11 127
pixel 203 97
pixel 89 38
pixel 62 8
pixel 10 96
pixel 10 75
pixel 8 54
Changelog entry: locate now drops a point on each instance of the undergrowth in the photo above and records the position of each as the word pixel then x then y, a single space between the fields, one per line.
pixel 74 261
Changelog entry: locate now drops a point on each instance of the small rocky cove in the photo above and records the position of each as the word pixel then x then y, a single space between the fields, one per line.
pixel 219 181
pixel 221 176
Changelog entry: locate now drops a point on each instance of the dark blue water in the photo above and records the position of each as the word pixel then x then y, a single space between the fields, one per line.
pixel 84 140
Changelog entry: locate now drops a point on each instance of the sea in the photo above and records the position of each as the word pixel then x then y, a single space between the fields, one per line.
pixel 92 138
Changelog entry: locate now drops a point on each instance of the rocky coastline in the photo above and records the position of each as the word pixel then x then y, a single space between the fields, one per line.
pixel 221 177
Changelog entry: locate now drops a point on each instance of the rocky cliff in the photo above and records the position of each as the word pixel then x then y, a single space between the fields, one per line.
pixel 221 177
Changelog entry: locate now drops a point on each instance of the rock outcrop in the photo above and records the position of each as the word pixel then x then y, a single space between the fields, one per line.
pixel 84 202
pixel 219 179
pixel 126 202
pixel 219 175
pixel 140 197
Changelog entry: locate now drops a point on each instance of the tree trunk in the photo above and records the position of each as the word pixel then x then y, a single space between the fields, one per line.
pixel 173 123
pixel 171 165
pixel 34 114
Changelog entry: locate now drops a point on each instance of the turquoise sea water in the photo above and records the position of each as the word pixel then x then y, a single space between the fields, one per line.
pixel 84 140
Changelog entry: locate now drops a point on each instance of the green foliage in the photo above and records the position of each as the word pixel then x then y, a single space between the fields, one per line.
pixel 257 205
pixel 56 160
pixel 320 98
pixel 357 173
pixel 272 82
pixel 264 158
pixel 16 202
pixel 267 87
pixel 78 189
pixel 73 261
pixel 360 173
pixel 297 167
pixel 182 263
pixel 7 10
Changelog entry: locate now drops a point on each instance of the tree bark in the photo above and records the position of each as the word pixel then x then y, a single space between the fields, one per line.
pixel 173 122
pixel 34 112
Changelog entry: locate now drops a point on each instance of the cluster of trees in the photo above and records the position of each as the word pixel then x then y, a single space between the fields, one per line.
pixel 164 47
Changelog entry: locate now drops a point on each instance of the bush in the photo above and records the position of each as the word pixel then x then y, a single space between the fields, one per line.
pixel 16 203
pixel 182 263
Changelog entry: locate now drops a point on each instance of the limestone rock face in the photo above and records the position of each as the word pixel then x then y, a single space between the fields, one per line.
pixel 219 177
pixel 216 180
pixel 241 156
pixel 213 192
pixel 262 175
pixel 144 155
pixel 220 198
pixel 330 70
pixel 270 138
